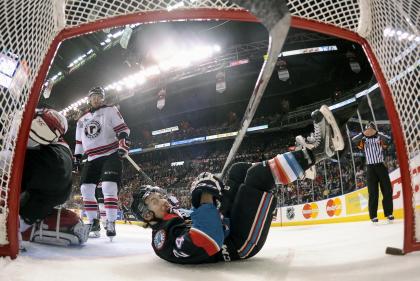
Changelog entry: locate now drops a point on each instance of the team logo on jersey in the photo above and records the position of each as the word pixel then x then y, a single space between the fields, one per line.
pixel 159 239
pixel 179 241
pixel 92 129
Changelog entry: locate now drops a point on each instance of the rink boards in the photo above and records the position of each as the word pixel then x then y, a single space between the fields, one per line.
pixel 350 207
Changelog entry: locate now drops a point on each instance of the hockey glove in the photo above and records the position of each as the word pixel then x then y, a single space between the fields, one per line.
pixel 123 145
pixel 77 162
pixel 206 183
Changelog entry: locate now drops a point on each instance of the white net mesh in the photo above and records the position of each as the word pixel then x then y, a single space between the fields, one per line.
pixel 343 14
pixel 78 12
pixel 28 28
pixel 395 40
pixel 391 29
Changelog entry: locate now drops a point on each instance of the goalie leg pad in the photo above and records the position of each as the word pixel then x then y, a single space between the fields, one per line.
pixel 62 228
pixel 55 238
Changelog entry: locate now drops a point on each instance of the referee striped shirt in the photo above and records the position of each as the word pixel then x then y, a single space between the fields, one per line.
pixel 373 148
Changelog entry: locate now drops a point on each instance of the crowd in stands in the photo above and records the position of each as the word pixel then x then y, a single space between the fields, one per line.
pixel 186 129
pixel 333 177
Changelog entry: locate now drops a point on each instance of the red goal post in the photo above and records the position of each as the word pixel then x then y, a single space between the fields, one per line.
pixel 32 32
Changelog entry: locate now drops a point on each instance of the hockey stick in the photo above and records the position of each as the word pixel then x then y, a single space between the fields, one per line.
pixel 142 173
pixel 276 18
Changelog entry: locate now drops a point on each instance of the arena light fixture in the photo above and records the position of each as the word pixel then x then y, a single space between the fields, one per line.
pixel 168 58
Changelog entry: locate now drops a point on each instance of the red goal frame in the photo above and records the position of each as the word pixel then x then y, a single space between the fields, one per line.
pixel 199 14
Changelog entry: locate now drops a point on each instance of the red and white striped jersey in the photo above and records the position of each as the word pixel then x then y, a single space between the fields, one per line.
pixel 97 131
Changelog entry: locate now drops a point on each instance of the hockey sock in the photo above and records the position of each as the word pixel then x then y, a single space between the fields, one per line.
pixel 89 201
pixel 102 212
pixel 110 190
pixel 287 167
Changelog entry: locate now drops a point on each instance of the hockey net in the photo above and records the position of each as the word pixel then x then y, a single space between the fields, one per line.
pixel 32 30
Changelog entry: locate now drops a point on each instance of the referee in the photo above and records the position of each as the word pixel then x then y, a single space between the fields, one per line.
pixel 372 141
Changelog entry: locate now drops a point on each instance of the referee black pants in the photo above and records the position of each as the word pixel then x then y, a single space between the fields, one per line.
pixel 378 174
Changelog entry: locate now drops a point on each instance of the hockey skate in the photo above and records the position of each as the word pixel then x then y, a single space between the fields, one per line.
pixel 327 136
pixel 374 221
pixel 95 229
pixel 110 230
pixel 390 219
pixel 308 143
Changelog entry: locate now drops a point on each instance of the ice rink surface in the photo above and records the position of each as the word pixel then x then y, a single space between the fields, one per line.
pixel 348 251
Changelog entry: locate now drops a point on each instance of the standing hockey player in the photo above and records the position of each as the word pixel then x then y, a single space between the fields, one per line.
pixel 102 136
pixel 47 181
pixel 239 228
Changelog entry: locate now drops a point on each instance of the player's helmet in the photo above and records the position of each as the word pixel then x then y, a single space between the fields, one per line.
pixel 138 206
pixel 47 126
pixel 97 91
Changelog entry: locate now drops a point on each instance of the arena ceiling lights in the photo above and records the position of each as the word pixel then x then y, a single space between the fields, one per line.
pixel 75 105
pixel 168 58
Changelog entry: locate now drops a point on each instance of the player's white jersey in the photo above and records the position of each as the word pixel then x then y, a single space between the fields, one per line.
pixel 96 132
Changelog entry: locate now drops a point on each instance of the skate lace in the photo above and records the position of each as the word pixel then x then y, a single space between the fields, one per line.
pixel 317 134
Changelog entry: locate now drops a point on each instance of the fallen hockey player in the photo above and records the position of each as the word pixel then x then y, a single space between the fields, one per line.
pixel 230 220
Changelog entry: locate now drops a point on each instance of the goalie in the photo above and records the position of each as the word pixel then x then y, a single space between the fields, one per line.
pixel 47 182
pixel 231 219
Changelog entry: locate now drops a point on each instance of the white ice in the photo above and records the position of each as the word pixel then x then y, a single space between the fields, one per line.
pixel 349 251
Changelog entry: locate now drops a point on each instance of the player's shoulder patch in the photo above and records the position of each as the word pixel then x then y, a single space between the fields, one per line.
pixel 159 239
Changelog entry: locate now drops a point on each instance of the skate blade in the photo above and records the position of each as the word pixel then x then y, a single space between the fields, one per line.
pixel 328 150
pixel 337 139
pixel 94 235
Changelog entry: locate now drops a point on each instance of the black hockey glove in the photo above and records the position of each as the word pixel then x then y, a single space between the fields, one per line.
pixel 77 162
pixel 123 145
pixel 206 183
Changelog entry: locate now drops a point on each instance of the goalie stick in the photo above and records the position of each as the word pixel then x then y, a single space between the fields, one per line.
pixel 276 18
pixel 142 173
